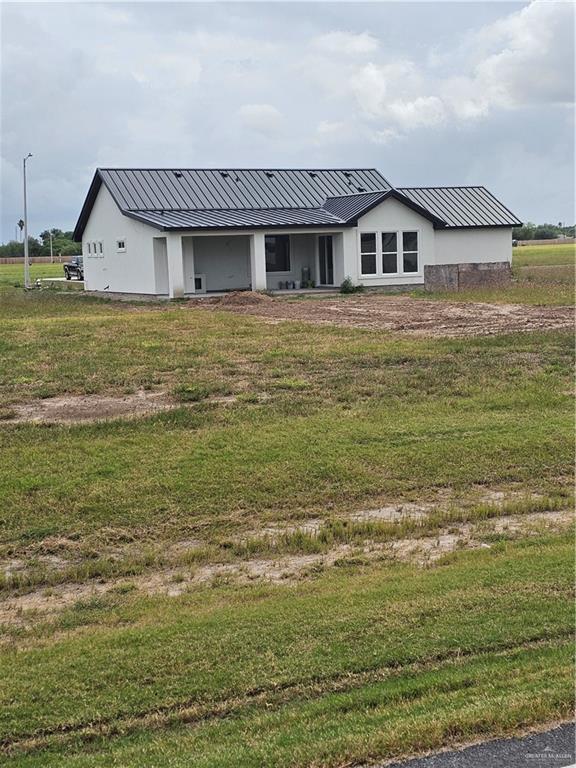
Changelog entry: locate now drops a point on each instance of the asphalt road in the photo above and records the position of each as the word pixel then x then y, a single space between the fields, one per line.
pixel 551 749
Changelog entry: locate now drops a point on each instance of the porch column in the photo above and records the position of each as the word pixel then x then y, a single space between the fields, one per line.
pixel 188 261
pixel 175 265
pixel 257 262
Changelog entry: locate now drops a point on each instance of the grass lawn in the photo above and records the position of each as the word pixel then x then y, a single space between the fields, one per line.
pixel 116 652
pixel 543 255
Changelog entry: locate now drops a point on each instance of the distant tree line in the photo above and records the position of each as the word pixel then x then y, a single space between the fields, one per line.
pixel 531 231
pixel 62 243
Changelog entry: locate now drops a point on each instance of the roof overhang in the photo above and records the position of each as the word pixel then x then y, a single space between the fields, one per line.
pixel 87 207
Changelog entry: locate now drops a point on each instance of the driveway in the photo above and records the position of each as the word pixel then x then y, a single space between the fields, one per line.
pixel 550 749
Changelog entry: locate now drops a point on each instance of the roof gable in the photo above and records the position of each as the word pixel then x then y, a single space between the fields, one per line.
pixel 349 208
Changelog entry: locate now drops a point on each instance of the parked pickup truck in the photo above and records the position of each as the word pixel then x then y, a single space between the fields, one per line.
pixel 74 268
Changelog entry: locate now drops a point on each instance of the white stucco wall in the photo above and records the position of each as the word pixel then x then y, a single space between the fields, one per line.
pixel 468 246
pixel 223 260
pixel 390 216
pixel 130 271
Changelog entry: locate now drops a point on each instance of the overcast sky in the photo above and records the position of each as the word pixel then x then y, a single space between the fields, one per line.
pixel 430 93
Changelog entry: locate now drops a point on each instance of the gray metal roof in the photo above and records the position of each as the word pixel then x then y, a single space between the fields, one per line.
pixel 247 198
pixel 243 218
pixel 347 207
pixel 253 189
pixel 462 206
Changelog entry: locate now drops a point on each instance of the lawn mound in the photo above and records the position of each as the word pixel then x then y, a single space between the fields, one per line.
pixel 244 298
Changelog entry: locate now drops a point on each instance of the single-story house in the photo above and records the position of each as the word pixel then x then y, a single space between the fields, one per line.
pixel 177 232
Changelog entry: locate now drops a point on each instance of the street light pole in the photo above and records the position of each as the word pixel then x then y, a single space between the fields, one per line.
pixel 26 256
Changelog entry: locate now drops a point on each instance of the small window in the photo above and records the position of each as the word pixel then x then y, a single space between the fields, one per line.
pixel 410 251
pixel 89 248
pixel 368 253
pixel 120 245
pixel 100 246
pixel 389 253
pixel 277 253
pixel 198 284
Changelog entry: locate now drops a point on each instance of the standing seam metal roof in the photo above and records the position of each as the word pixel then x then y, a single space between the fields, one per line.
pixel 244 198
pixel 202 189
pixel 462 206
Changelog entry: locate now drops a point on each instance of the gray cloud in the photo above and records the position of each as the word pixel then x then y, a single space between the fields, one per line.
pixel 430 93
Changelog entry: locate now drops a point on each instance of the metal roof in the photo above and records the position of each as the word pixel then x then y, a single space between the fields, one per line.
pixel 462 206
pixel 222 198
pixel 269 218
pixel 253 189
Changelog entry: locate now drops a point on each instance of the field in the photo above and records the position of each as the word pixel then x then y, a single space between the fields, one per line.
pixel 234 540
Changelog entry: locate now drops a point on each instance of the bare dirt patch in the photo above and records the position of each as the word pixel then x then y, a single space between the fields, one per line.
pixel 23 610
pixel 77 409
pixel 87 408
pixel 233 299
pixel 417 317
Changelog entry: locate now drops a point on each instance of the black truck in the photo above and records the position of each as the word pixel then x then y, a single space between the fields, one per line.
pixel 74 268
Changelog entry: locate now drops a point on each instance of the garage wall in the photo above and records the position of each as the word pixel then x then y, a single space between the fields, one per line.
pixel 225 261
pixel 130 271
pixel 473 246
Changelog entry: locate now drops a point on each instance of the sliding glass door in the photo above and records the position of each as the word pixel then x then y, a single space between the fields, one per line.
pixel 325 260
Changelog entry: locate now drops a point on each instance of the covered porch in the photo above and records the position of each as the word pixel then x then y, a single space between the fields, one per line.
pixel 189 264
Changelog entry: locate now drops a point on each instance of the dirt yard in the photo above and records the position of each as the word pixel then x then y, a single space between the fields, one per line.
pixel 399 313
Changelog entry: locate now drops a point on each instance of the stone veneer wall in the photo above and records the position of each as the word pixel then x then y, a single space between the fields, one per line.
pixel 457 277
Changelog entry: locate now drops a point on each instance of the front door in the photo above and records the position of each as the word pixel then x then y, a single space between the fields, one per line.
pixel 325 260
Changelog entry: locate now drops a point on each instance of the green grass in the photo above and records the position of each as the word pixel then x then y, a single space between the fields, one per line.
pixel 277 424
pixel 543 255
pixel 239 649
pixel 12 275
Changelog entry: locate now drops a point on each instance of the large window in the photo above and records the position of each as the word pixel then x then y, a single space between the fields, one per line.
pixel 410 251
pixel 277 253
pixel 368 253
pixel 388 253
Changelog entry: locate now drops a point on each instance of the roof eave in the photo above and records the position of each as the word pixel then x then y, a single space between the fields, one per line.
pixel 87 207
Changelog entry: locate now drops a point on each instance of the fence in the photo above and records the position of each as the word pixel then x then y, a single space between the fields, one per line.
pixel 34 260
pixel 554 241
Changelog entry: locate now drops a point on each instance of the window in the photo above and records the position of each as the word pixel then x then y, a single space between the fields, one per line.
pixel 89 248
pixel 410 251
pixel 389 252
pixel 368 253
pixel 100 246
pixel 277 253
pixel 120 245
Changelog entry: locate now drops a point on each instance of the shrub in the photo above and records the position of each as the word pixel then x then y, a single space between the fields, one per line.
pixel 347 286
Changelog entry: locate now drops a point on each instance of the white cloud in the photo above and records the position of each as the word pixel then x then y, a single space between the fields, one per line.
pixel 262 118
pixel 346 43
pixel 521 60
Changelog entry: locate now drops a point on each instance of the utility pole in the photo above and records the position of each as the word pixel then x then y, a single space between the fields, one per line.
pixel 51 254
pixel 26 256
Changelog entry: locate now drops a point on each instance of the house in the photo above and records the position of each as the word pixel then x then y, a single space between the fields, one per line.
pixel 177 232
